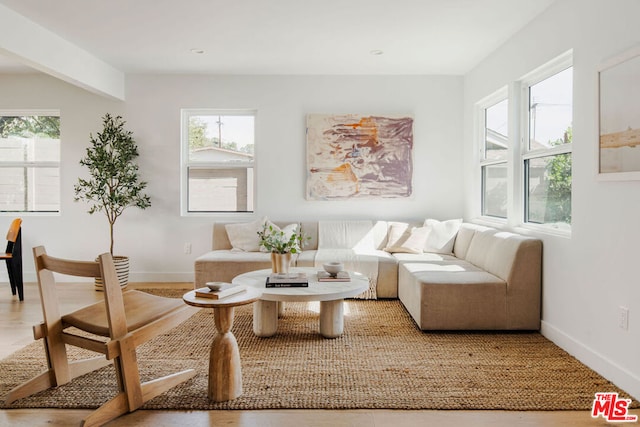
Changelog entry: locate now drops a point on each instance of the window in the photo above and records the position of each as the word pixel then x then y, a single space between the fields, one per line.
pixel 218 161
pixel 547 157
pixel 525 169
pixel 494 159
pixel 30 161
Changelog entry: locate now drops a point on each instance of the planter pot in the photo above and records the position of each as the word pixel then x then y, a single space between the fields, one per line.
pixel 122 270
pixel 280 263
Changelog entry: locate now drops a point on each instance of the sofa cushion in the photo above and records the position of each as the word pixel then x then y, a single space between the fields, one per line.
pixel 423 257
pixel 404 238
pixel 494 251
pixel 244 236
pixel 463 240
pixel 441 235
pixel 346 235
pixel 288 230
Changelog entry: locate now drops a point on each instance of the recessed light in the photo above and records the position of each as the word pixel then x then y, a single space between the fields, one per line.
pixel 376 52
pixel 197 51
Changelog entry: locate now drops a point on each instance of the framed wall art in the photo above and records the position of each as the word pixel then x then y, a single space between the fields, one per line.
pixel 359 156
pixel 619 121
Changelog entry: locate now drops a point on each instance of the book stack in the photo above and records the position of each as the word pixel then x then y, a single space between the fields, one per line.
pixel 342 276
pixel 223 292
pixel 287 280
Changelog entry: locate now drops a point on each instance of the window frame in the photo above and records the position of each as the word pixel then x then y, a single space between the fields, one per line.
pixel 36 164
pixel 518 152
pixel 186 164
pixel 481 112
pixel 548 70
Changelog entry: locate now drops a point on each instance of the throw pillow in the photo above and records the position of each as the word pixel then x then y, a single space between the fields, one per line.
pixel 441 235
pixel 244 236
pixel 403 238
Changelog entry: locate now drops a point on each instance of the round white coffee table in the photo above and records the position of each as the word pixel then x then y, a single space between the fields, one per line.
pixel 330 295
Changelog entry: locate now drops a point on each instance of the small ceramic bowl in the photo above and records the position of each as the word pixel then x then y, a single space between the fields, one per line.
pixel 216 286
pixel 333 268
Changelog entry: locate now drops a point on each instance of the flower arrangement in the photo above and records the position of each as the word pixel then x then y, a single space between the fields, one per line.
pixel 273 239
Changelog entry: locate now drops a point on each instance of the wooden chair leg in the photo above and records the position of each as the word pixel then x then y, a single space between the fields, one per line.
pixel 129 377
pixel 47 379
pixel 118 405
pixel 60 371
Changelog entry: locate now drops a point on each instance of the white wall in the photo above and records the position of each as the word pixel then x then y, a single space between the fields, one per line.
pixel 154 238
pixel 589 275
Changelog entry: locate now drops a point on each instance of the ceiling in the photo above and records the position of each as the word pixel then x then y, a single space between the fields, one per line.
pixel 280 36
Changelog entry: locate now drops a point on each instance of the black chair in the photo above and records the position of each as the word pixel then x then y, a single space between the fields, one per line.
pixel 13 256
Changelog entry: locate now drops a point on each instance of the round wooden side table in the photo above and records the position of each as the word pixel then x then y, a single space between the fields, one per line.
pixel 225 371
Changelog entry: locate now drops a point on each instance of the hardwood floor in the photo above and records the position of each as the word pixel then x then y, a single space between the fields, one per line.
pixel 17 318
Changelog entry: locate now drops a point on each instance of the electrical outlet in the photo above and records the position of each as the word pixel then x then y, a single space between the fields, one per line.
pixel 187 248
pixel 623 317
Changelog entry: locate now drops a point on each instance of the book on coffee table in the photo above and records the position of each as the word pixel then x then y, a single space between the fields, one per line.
pixel 287 280
pixel 342 276
pixel 222 293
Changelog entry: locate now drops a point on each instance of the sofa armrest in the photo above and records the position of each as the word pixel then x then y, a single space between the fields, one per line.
pixel 220 239
pixel 524 286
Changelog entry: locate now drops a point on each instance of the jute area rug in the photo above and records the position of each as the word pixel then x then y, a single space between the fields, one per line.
pixel 382 361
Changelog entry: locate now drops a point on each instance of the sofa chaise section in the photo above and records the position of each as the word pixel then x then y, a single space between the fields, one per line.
pixel 492 283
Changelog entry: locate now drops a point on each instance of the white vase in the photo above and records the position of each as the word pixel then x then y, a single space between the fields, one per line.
pixel 280 263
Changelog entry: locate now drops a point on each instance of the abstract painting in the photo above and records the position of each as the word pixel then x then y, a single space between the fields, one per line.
pixel 358 156
pixel 620 117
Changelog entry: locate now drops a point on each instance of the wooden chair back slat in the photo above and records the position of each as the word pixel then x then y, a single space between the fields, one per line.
pixel 113 297
pixel 69 268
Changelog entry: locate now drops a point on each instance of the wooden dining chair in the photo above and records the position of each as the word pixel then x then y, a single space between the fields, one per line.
pixel 13 256
pixel 128 319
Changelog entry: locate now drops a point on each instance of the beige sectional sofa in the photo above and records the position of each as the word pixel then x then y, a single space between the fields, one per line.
pixel 484 279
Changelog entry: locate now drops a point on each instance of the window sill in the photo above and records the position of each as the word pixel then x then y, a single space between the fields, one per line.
pixel 526 229
pixel 544 229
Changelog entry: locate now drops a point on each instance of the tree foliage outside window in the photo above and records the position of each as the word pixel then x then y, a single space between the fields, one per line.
pixel 559 193
pixel 30 126
pixel 550 186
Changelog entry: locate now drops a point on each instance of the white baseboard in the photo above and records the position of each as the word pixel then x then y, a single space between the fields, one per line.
pixel 594 360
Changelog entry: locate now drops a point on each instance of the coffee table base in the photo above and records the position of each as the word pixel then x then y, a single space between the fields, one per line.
pixel 265 318
pixel 331 318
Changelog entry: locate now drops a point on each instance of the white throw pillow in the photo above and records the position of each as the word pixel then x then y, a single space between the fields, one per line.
pixel 441 235
pixel 288 230
pixel 403 238
pixel 244 236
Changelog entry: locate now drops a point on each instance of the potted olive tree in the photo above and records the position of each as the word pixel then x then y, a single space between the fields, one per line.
pixel 114 183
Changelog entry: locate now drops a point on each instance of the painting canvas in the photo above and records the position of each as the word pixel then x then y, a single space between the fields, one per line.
pixel 619 147
pixel 359 156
